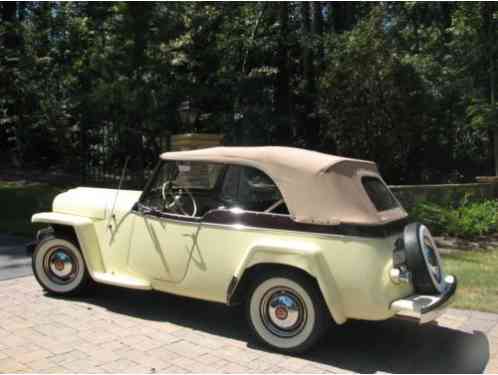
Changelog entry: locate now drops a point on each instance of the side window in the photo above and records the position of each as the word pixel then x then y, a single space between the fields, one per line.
pixel 379 194
pixel 230 189
pixel 253 190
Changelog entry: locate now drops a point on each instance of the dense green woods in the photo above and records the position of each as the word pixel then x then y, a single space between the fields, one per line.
pixel 409 85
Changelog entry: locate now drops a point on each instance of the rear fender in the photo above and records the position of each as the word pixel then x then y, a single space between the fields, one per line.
pixel 302 255
pixel 85 233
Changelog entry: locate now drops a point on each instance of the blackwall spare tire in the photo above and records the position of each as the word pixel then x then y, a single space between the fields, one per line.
pixel 423 259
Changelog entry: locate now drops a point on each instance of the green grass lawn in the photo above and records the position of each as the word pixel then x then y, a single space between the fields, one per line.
pixel 477 273
pixel 19 202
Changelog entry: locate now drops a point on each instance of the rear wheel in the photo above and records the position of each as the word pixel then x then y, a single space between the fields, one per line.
pixel 286 311
pixel 59 267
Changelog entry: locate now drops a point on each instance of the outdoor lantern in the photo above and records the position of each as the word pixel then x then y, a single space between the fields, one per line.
pixel 188 113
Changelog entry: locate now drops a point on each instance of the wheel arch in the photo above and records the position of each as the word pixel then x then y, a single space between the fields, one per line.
pixel 66 230
pixel 81 230
pixel 251 273
pixel 301 258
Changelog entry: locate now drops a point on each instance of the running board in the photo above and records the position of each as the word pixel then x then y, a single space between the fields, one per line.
pixel 121 280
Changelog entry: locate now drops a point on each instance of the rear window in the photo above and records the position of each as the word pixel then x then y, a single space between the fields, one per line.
pixel 379 194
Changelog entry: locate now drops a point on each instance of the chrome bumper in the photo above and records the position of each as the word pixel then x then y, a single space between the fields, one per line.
pixel 426 308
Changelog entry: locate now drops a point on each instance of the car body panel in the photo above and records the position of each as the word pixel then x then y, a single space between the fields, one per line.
pixel 214 254
pixel 100 199
pixel 200 257
pixel 85 231
pixel 162 250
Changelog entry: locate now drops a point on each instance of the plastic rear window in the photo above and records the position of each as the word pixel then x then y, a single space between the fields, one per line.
pixel 379 194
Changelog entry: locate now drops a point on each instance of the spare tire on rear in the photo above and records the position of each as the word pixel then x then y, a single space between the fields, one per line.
pixel 423 259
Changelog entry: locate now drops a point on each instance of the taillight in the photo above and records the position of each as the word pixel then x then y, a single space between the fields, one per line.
pixel 399 255
pixel 399 273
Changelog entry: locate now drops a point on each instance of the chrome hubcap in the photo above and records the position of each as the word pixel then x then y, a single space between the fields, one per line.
pixel 60 265
pixel 283 312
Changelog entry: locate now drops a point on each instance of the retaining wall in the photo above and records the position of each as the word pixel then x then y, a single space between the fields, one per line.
pixel 445 194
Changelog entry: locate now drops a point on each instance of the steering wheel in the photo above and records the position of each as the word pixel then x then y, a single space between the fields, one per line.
pixel 173 197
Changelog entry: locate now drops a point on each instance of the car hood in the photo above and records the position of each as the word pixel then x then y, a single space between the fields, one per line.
pixel 95 203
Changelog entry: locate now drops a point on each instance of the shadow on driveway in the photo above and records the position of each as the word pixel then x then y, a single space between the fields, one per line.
pixel 395 345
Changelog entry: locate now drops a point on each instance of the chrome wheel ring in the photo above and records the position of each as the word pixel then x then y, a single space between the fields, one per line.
pixel 431 257
pixel 283 312
pixel 60 265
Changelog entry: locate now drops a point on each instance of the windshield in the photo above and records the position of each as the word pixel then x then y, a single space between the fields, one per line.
pixel 193 175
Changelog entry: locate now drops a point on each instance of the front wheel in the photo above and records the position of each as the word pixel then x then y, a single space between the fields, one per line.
pixel 59 267
pixel 286 311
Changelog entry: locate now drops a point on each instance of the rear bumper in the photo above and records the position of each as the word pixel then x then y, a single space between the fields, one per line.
pixel 426 308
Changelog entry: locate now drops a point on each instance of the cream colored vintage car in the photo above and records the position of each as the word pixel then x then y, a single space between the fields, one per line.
pixel 304 239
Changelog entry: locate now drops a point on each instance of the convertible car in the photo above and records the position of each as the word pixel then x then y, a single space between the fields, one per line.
pixel 302 239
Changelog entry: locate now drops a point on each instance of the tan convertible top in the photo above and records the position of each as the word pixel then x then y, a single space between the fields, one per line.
pixel 317 188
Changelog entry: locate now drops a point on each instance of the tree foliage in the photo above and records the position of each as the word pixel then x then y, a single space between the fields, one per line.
pixel 409 85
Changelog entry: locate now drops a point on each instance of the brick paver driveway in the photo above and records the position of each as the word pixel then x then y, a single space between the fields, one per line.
pixel 118 330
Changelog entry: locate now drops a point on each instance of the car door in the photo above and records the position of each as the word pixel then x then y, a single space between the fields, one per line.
pixel 162 246
pixel 163 240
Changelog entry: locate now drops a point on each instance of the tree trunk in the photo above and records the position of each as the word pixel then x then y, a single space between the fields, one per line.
pixel 139 17
pixel 343 15
pixel 311 126
pixel 488 10
pixel 318 28
pixel 11 42
pixel 9 11
pixel 492 96
pixel 282 89
pixel 307 54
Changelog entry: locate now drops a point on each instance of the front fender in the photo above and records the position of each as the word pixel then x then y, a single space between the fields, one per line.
pixel 85 232
pixel 303 255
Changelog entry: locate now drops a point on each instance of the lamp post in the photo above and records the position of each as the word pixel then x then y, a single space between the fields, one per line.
pixel 188 114
pixel 189 117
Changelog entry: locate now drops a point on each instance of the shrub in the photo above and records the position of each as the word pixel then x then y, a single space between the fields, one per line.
pixel 476 219
pixel 468 220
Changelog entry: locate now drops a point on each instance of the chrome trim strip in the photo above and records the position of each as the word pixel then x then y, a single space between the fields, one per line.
pixel 246 228
pixel 154 217
pixel 179 219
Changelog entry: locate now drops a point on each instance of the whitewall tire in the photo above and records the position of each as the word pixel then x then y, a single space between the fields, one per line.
pixel 59 267
pixel 286 311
